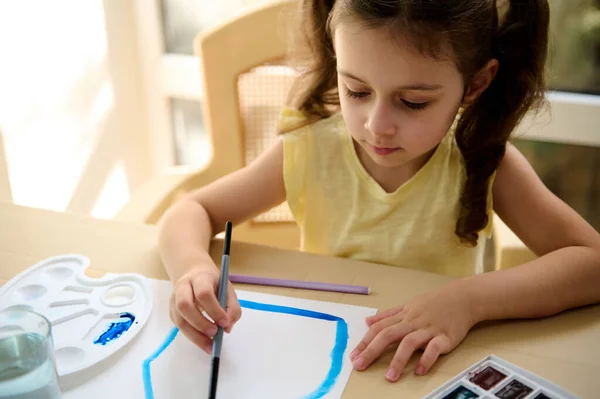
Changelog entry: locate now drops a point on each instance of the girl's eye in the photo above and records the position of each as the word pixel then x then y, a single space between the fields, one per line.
pixel 356 94
pixel 415 106
pixel 408 104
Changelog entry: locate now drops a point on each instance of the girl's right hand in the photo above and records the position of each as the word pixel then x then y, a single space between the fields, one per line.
pixel 195 292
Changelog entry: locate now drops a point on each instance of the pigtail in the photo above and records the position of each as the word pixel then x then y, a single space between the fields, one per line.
pixel 520 45
pixel 314 92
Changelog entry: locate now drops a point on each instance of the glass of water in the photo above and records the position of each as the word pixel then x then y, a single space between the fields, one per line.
pixel 27 366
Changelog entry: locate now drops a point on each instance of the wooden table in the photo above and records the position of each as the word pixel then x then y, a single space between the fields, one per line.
pixel 564 349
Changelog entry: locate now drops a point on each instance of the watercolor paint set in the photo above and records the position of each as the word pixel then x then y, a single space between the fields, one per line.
pixel 496 378
pixel 91 319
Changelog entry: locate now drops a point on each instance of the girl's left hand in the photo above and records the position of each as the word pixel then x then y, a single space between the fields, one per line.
pixel 436 321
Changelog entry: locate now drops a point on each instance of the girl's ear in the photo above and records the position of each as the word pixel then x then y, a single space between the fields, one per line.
pixel 480 82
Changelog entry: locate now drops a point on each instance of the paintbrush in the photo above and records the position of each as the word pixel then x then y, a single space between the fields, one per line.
pixel 222 296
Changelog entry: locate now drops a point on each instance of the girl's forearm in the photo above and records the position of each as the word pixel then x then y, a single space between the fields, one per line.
pixel 184 239
pixel 560 280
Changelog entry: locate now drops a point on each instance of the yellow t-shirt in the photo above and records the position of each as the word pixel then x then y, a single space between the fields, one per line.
pixel 342 211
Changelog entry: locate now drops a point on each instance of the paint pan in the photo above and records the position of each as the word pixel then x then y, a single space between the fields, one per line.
pixel 495 378
pixel 91 318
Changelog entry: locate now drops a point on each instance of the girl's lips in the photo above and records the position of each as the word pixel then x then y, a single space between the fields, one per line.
pixel 383 150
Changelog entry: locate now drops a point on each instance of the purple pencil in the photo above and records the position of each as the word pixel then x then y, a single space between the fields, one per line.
pixel 307 285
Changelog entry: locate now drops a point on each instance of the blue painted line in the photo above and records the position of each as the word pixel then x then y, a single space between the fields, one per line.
pixel 265 307
pixel 337 354
pixel 147 378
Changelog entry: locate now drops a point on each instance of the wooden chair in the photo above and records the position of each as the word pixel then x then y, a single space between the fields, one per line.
pixel 246 83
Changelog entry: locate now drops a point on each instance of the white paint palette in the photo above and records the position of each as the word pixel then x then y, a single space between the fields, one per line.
pixel 91 319
pixel 495 378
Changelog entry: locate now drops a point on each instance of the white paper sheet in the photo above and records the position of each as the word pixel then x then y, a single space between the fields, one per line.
pixel 285 348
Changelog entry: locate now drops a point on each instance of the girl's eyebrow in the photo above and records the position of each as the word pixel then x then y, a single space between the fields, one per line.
pixel 413 86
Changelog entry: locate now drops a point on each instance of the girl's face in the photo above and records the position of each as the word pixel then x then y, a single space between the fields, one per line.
pixel 397 103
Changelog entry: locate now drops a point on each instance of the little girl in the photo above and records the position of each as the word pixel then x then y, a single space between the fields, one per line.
pixel 397 153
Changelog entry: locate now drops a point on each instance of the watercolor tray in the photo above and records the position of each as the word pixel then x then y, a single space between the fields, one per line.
pixel 91 319
pixel 495 378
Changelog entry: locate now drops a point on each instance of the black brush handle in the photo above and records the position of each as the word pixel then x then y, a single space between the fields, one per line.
pixel 214 378
pixel 227 241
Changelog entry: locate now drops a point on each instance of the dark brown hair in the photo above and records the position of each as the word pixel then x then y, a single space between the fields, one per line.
pixel 471 32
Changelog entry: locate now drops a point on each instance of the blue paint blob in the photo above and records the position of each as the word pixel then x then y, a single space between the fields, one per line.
pixel 116 329
pixel 337 354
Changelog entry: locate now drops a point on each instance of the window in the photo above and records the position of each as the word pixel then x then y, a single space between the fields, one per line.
pixel 183 19
pixel 572 172
pixel 574 63
pixel 569 163
pixel 189 136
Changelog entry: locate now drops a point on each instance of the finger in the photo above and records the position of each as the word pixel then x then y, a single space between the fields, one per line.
pixel 185 307
pixel 172 307
pixel 375 329
pixel 199 339
pixel 205 297
pixel 380 343
pixel 234 310
pixel 407 347
pixel 436 347
pixel 383 315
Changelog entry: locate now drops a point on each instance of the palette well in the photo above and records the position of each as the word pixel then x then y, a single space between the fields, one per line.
pixel 91 319
pixel 496 378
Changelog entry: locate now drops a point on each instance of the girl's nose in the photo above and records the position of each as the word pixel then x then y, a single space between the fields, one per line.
pixel 380 121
